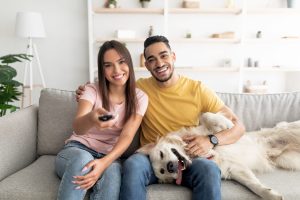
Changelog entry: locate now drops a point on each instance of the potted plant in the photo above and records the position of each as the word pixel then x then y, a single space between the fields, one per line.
pixel 145 3
pixel 112 3
pixel 8 87
pixel 293 4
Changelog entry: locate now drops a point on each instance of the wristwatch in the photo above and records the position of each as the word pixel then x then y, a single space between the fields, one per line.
pixel 213 139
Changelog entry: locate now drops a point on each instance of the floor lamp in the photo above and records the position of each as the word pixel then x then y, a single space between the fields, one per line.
pixel 30 25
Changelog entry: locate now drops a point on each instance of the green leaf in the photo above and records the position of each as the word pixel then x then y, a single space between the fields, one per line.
pixel 12 58
pixel 13 109
pixel 5 106
pixel 9 91
pixel 7 73
pixel 14 83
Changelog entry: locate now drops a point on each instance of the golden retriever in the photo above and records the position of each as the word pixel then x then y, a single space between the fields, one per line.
pixel 258 151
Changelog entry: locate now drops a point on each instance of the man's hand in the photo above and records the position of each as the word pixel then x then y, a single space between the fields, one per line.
pixel 80 91
pixel 87 181
pixel 198 145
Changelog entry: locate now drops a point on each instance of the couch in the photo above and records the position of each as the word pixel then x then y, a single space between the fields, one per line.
pixel 30 138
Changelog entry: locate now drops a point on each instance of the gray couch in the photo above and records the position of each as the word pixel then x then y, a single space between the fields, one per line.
pixel 30 138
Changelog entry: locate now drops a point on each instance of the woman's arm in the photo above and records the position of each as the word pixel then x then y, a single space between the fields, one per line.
pixel 83 120
pixel 99 165
pixel 87 118
pixel 125 138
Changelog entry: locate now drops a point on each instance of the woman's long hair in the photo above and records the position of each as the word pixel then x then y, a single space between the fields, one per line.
pixel 130 93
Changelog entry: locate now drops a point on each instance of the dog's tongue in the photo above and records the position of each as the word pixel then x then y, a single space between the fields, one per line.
pixel 179 173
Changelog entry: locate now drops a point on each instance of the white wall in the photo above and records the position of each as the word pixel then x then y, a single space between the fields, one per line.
pixel 64 52
pixel 273 26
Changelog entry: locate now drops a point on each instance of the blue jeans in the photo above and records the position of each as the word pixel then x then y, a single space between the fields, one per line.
pixel 203 177
pixel 70 162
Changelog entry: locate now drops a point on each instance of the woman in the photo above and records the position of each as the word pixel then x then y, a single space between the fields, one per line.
pixel 89 158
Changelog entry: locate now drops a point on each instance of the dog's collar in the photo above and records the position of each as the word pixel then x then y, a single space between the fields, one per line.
pixel 210 157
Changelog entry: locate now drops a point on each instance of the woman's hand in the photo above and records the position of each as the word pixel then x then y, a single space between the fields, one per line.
pixel 87 181
pixel 95 114
pixel 87 118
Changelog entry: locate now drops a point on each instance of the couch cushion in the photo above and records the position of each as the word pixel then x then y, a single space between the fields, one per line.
pixel 56 113
pixel 168 191
pixel 263 110
pixel 17 141
pixel 39 181
pixel 35 182
pixel 283 181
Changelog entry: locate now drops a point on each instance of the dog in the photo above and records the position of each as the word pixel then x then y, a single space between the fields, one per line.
pixel 258 151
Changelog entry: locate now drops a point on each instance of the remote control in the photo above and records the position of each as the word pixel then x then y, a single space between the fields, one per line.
pixel 105 117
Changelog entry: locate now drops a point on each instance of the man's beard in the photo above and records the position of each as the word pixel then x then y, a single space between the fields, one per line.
pixel 165 79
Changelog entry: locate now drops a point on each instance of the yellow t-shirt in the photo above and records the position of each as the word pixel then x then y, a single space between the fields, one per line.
pixel 172 108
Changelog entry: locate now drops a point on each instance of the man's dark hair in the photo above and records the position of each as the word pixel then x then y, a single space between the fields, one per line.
pixel 155 39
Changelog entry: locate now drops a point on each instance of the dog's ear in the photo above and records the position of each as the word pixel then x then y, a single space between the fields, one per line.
pixel 146 148
pixel 175 139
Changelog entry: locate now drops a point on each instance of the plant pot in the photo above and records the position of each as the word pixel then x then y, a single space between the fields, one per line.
pixel 145 4
pixel 190 4
pixel 291 3
pixel 111 6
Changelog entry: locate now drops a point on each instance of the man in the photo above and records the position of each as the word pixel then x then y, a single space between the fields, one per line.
pixel 175 102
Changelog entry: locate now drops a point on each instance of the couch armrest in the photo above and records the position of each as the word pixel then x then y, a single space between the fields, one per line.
pixel 18 136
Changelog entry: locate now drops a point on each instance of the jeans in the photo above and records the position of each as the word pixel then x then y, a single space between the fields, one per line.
pixel 70 162
pixel 203 177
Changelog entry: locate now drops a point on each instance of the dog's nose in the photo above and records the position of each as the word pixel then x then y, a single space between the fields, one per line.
pixel 171 167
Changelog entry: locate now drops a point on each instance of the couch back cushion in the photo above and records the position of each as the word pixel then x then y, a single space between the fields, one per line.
pixel 263 110
pixel 57 109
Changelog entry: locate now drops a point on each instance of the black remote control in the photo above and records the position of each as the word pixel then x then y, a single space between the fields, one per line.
pixel 105 117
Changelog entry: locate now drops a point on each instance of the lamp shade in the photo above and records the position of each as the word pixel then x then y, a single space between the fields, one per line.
pixel 30 25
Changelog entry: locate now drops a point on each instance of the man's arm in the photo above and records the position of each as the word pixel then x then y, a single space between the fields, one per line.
pixel 200 145
pixel 231 135
pixel 80 91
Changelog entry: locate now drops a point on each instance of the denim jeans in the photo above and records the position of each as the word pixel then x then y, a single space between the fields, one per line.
pixel 203 177
pixel 70 162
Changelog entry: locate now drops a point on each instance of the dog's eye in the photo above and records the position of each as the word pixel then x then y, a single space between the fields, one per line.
pixel 162 171
pixel 161 155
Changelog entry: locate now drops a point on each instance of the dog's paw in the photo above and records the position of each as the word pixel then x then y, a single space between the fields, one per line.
pixel 270 194
pixel 215 122
pixel 281 125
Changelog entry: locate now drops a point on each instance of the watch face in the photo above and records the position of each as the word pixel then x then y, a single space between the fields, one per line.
pixel 214 140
